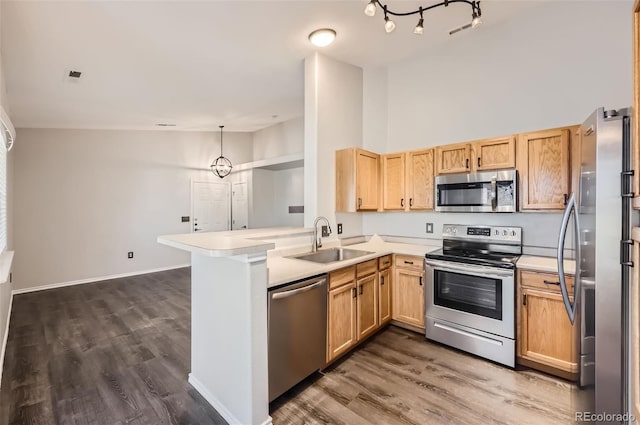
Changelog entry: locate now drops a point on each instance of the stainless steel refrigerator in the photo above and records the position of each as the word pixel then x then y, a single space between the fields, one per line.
pixel 601 227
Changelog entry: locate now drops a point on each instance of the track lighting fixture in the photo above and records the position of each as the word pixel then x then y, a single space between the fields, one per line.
pixel 370 10
pixel 389 25
pixel 419 29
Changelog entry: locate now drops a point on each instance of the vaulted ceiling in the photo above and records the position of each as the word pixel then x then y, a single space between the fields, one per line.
pixel 196 64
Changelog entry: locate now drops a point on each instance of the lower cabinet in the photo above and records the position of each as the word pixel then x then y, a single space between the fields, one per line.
pixel 546 339
pixel 353 307
pixel 408 290
pixel 341 331
pixel 384 283
pixel 367 305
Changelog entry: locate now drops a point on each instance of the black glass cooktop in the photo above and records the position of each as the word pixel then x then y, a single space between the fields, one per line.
pixel 492 259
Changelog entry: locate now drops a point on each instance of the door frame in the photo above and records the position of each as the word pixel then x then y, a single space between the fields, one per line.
pixel 192 181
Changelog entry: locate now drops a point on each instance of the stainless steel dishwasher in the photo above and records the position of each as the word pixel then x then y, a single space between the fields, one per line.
pixel 297 332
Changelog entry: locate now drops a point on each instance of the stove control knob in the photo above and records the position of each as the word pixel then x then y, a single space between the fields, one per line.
pixel 513 233
pixel 497 232
pixel 504 233
pixel 448 230
pixel 455 230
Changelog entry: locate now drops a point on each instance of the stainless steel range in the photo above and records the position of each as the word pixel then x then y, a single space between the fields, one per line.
pixel 470 293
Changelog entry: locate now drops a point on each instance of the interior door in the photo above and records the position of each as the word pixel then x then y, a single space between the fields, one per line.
pixel 210 203
pixel 239 206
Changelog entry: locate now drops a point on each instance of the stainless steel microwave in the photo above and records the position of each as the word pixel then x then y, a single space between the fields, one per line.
pixel 488 191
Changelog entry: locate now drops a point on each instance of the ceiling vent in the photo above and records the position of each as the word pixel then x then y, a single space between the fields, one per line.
pixel 162 124
pixel 75 74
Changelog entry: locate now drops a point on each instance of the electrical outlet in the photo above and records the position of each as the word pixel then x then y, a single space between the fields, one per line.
pixel 339 228
pixel 325 231
pixel 185 218
pixel 130 254
pixel 429 227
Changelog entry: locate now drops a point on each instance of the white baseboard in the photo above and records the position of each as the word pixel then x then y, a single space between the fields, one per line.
pixel 215 403
pixel 5 338
pixel 94 279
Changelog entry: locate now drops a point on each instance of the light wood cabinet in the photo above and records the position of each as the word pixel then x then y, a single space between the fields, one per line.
pixel 546 339
pixel 342 320
pixel 393 181
pixel 545 169
pixel 419 180
pixel 357 177
pixel 494 154
pixel 408 291
pixel 635 121
pixel 367 307
pixel 353 307
pixel 384 284
pixel 454 158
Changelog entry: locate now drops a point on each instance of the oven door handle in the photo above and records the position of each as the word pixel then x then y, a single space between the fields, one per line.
pixel 480 271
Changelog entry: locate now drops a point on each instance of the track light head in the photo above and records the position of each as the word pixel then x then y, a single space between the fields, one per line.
pixel 370 9
pixel 389 25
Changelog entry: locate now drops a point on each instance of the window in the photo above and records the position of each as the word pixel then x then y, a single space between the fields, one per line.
pixel 3 192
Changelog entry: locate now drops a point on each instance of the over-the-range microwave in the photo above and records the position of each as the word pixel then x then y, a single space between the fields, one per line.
pixel 488 191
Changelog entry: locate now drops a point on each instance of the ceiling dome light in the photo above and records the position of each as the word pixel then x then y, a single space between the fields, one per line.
pixel 370 10
pixel 322 37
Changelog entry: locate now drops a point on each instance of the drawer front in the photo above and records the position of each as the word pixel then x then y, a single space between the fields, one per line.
pixel 384 262
pixel 546 281
pixel 341 277
pixel 409 262
pixel 366 268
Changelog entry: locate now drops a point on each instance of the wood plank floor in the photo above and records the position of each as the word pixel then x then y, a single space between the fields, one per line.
pixel 117 352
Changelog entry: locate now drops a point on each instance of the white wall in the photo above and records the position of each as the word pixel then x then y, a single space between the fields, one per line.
pixel 272 192
pixel 84 198
pixel 333 120
pixel 284 138
pixel 549 68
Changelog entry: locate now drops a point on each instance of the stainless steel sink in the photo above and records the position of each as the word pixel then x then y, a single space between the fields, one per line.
pixel 325 256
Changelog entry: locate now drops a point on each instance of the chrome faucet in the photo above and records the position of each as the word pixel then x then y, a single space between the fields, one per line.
pixel 317 240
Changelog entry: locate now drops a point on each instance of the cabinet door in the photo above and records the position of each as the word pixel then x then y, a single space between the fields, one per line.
pixel 420 179
pixel 342 320
pixel 546 334
pixel 408 297
pixel 393 181
pixel 495 154
pixel 544 169
pixel 453 158
pixel 367 305
pixel 366 180
pixel 384 284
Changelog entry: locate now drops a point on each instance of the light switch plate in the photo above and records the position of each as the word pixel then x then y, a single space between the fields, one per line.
pixel 339 228
pixel 429 227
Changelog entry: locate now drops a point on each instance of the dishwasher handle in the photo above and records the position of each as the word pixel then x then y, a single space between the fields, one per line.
pixel 291 293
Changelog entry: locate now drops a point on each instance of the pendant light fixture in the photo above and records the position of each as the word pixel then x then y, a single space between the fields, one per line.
pixel 221 166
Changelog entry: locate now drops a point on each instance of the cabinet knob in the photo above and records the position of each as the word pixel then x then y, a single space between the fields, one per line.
pixel 359 202
pixel 382 280
pixel 355 293
pixel 410 202
pixel 467 166
pixel 361 290
pixel 478 161
pixel 421 280
pixel 402 202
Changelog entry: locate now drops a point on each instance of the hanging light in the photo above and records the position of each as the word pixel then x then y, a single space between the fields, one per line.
pixel 370 9
pixel 389 25
pixel 221 166
pixel 419 29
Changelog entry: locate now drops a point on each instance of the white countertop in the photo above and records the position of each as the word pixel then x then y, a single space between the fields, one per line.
pixel 545 264
pixel 283 270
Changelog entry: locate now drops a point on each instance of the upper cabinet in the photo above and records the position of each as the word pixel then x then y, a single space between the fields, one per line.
pixel 419 180
pixel 453 158
pixel 494 154
pixel 481 155
pixel 357 176
pixel 393 181
pixel 545 169
pixel 407 180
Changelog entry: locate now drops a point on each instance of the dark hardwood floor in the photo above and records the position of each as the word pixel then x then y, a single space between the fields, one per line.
pixel 117 352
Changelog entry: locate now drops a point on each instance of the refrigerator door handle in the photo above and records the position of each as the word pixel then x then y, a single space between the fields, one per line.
pixel 570 307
